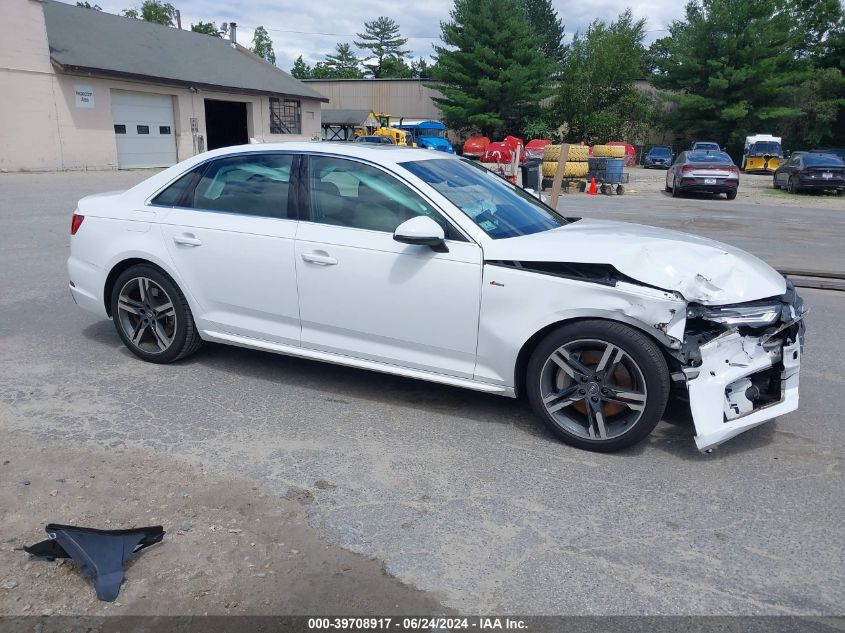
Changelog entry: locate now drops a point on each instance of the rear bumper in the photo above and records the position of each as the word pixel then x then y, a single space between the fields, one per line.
pixel 86 283
pixel 698 185
pixel 820 183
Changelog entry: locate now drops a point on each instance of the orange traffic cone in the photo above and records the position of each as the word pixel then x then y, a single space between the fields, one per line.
pixel 592 190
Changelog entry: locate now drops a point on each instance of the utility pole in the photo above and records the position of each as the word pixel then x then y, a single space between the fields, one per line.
pixel 178 19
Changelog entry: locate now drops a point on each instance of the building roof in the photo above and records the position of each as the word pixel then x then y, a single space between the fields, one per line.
pixel 347 117
pixel 95 42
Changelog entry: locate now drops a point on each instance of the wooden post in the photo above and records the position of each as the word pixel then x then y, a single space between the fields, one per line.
pixel 558 180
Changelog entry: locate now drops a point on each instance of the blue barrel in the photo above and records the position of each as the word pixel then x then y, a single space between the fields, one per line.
pixel 596 165
pixel 615 167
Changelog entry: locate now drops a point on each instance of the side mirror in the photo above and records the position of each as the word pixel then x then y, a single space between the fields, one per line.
pixel 422 231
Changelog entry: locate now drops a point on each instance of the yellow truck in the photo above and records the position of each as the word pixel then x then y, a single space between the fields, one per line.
pixel 378 124
pixel 762 154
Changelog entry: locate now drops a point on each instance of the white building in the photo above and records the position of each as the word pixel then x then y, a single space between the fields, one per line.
pixel 90 90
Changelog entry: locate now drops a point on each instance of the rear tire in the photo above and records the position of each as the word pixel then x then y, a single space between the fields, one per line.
pixel 775 182
pixel 618 398
pixel 731 195
pixel 676 192
pixel 790 186
pixel 152 316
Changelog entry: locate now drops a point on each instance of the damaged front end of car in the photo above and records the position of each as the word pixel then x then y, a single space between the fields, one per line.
pixel 740 364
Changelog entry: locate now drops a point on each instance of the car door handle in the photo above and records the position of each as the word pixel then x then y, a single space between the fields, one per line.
pixel 187 239
pixel 322 259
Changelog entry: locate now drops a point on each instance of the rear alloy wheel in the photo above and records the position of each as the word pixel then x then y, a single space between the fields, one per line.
pixel 152 316
pixel 676 192
pixel 790 185
pixel 598 385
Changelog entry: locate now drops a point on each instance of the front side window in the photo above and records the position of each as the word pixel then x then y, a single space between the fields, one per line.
pixel 285 116
pixel 252 184
pixel 499 208
pixel 359 196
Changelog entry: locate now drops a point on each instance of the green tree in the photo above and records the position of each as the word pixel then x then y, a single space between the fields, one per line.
pixel 301 70
pixel 736 68
pixel 343 64
pixel 210 28
pixel 154 11
pixel 491 70
pixel 382 39
pixel 262 45
pixel 544 21
pixel 421 69
pixel 88 5
pixel 600 100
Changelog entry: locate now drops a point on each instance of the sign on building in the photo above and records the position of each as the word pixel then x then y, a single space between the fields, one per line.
pixel 84 96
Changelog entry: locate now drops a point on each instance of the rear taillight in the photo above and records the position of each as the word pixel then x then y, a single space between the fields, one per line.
pixel 75 223
pixel 735 171
pixel 687 168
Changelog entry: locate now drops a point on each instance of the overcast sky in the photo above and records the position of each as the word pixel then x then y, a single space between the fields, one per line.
pixel 312 27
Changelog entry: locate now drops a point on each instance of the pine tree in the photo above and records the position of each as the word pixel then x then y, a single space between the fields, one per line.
pixel 736 68
pixel 344 63
pixel 301 70
pixel 544 21
pixel 492 72
pixel 381 37
pixel 262 45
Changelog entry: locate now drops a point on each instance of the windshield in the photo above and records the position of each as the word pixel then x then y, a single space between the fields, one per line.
pixel 765 147
pixel 827 160
pixel 499 208
pixel 660 151
pixel 708 157
pixel 432 133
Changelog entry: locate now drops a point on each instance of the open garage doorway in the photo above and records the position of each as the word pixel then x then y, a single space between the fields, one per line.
pixel 225 123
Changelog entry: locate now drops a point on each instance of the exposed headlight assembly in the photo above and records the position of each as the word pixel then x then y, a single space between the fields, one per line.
pixel 751 315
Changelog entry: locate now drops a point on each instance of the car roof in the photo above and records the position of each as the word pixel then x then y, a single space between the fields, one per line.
pixel 382 153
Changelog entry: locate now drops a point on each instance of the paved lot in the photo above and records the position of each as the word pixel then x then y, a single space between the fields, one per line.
pixel 456 492
pixel 804 231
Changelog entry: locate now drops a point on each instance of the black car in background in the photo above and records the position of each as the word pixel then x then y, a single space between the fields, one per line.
pixel 658 157
pixel 703 172
pixel 810 170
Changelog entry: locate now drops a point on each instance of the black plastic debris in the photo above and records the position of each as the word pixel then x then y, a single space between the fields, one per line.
pixel 101 555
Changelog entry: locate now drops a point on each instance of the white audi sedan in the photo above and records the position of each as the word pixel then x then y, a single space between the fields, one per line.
pixel 426 265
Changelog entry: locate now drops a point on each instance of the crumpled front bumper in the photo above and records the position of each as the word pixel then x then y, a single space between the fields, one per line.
pixel 725 362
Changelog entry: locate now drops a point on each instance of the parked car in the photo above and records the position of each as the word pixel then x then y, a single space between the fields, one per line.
pixel 809 170
pixel 703 172
pixel 475 146
pixel 658 157
pixel 426 265
pixel 705 146
pixel 380 140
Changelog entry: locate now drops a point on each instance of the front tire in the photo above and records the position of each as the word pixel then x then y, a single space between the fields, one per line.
pixel 152 316
pixel 598 385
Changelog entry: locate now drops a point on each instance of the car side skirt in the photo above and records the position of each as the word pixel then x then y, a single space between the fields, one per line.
pixel 351 361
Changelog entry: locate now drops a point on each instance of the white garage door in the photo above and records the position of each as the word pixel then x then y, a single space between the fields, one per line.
pixel 143 127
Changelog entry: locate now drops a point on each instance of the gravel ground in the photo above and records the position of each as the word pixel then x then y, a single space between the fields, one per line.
pixel 456 493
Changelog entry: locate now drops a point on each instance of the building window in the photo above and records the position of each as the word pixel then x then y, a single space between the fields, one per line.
pixel 285 116
pixel 119 128
pixel 164 129
pixel 143 129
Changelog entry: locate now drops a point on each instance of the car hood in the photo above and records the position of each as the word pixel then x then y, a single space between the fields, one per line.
pixel 700 269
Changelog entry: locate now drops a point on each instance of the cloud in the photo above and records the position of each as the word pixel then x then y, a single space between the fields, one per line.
pixel 312 29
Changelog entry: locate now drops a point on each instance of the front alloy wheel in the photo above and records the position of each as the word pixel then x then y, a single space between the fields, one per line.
pixel 598 385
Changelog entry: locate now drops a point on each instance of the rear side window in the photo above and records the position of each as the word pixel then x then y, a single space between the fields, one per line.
pixel 173 195
pixel 255 184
